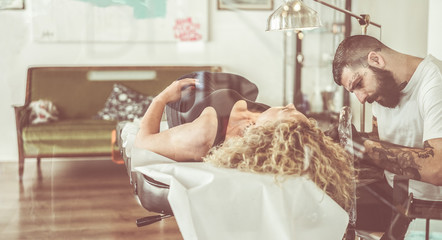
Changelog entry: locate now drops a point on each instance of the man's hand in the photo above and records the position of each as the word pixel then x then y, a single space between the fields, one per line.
pixel 358 142
pixel 357 138
pixel 333 133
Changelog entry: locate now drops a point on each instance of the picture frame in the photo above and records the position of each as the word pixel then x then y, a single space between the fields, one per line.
pixel 170 21
pixel 245 4
pixel 12 4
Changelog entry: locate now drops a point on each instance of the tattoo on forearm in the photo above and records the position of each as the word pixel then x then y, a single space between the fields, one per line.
pixel 401 160
pixel 427 151
pixel 399 163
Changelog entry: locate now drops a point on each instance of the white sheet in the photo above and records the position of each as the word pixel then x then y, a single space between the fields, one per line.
pixel 212 203
pixel 217 203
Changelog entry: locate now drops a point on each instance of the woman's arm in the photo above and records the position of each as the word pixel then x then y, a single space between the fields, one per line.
pixel 185 142
pixel 150 123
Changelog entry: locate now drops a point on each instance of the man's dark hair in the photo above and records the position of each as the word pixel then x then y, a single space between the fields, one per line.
pixel 353 51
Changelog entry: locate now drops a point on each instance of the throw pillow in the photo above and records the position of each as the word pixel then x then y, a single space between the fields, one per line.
pixel 42 111
pixel 124 104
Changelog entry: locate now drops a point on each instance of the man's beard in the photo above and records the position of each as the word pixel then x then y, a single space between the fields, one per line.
pixel 388 89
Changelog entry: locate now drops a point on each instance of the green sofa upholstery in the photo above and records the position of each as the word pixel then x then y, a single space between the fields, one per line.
pixel 71 136
pixel 78 133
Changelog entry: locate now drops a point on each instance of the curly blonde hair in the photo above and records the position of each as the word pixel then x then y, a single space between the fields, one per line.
pixel 280 148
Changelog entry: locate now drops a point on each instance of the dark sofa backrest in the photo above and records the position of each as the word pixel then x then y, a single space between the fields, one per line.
pixel 76 96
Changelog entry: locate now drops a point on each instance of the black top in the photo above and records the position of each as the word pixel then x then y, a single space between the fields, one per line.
pixel 213 91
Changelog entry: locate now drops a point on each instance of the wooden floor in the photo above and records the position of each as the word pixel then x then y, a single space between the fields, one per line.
pixel 65 199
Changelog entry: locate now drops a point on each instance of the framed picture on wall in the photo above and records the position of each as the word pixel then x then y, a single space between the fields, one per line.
pixel 245 4
pixel 12 4
pixel 120 21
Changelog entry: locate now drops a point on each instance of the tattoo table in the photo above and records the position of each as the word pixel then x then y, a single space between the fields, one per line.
pixel 414 199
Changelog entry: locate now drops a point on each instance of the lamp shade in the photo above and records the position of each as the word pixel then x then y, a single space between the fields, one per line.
pixel 293 15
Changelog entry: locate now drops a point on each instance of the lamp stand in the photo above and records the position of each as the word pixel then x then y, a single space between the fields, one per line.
pixel 364 24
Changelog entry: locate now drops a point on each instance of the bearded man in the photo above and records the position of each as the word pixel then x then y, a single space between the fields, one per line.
pixel 406 96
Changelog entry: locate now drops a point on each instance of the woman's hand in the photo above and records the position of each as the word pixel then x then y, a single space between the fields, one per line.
pixel 173 92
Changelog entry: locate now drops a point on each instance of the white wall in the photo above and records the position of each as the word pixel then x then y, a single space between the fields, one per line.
pixel 404 28
pixel 404 23
pixel 237 42
pixel 434 28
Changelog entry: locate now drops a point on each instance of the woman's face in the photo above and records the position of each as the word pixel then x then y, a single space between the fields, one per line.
pixel 288 112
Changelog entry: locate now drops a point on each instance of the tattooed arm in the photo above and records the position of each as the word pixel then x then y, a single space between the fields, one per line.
pixel 424 164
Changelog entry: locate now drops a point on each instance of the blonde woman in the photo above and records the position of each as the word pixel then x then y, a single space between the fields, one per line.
pixel 290 148
pixel 224 128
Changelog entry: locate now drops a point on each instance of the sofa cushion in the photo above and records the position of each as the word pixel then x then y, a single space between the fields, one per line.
pixel 68 137
pixel 124 104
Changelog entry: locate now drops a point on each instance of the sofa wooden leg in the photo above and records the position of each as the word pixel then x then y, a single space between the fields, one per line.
pixel 21 167
pixel 38 161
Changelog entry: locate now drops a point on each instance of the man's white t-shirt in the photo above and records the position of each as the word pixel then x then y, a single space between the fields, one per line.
pixel 418 117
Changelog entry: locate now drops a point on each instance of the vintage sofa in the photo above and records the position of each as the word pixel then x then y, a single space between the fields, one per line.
pixel 79 93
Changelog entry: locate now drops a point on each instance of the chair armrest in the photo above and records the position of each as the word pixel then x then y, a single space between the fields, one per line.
pixel 21 120
pixel 21 116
